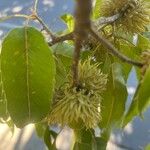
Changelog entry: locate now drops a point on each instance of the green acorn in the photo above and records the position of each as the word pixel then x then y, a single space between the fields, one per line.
pixel 80 106
pixel 135 14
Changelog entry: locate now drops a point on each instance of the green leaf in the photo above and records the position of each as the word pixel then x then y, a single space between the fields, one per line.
pixel 141 98
pixel 69 21
pixel 96 10
pixel 11 126
pixel 63 59
pixel 48 137
pixel 3 104
pixel 83 135
pixel 100 53
pixel 114 99
pixel 86 140
pixel 82 146
pixel 40 129
pixel 3 101
pixel 3 109
pixel 64 49
pixel 106 65
pixel 61 73
pixel 83 139
pixel 66 61
pixel 129 51
pixel 143 43
pixel 147 147
pixel 28 73
pixel 86 54
pixel 100 144
pixel 146 34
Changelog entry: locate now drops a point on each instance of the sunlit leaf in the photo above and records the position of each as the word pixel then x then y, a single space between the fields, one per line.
pixel 69 21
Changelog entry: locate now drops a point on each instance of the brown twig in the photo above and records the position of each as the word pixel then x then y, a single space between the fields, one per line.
pixel 45 27
pixel 113 50
pixel 82 24
pixel 70 36
pixel 62 38
pixel 35 16
pixel 76 57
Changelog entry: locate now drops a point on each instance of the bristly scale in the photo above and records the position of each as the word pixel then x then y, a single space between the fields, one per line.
pixel 134 14
pixel 80 106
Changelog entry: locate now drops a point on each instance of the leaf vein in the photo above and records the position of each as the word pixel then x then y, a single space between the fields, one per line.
pixel 27 71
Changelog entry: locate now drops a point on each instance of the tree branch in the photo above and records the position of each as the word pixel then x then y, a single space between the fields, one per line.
pixel 35 5
pixel 45 27
pixel 113 50
pixel 36 17
pixel 82 24
pixel 107 20
pixel 70 36
pixel 62 38
pixel 123 38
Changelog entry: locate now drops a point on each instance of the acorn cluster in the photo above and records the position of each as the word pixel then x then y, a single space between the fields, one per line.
pixel 145 60
pixel 80 106
pixel 134 14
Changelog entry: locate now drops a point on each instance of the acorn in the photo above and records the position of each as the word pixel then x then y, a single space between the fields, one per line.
pixel 80 107
pixel 135 14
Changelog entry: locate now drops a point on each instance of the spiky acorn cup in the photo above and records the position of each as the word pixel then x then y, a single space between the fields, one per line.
pixel 146 61
pixel 79 107
pixel 135 14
